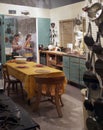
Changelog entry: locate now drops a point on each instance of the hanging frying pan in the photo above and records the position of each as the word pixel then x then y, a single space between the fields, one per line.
pixel 88 39
pixel 88 63
pixel 101 28
pixel 89 77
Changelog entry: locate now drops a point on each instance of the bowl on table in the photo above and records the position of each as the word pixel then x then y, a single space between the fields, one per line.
pixel 20 60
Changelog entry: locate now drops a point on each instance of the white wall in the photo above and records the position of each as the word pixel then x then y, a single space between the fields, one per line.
pixel 34 12
pixel 66 12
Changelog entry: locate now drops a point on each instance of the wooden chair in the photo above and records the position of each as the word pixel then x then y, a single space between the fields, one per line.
pixel 51 87
pixel 10 82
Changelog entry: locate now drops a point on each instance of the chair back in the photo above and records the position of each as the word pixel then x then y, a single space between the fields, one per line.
pixel 5 72
pixel 50 85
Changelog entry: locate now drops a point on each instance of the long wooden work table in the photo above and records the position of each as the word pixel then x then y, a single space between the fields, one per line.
pixel 26 73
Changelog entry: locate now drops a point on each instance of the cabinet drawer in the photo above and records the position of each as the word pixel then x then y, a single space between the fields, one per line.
pixel 82 61
pixel 66 61
pixel 74 59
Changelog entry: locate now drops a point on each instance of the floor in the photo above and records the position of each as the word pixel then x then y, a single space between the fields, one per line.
pixel 47 116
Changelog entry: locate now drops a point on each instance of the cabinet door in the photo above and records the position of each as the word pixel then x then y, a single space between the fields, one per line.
pixel 43 31
pixel 82 70
pixel 74 71
pixel 66 61
pixel 66 66
pixel 66 71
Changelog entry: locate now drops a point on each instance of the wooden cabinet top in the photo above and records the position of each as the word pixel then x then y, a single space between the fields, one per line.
pixel 63 54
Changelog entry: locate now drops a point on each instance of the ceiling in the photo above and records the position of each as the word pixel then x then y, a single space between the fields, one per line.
pixel 49 4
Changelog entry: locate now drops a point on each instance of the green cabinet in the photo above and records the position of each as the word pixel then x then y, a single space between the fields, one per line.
pixel 66 66
pixel 82 70
pixel 74 68
pixel 43 31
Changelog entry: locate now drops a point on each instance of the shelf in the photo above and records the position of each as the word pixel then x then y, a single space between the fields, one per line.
pixel 54 59
pixel 52 62
pixel 59 65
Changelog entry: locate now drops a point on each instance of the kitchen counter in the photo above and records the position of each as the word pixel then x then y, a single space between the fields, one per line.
pixel 72 64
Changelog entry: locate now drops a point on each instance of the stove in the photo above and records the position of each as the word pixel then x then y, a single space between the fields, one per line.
pixel 14 117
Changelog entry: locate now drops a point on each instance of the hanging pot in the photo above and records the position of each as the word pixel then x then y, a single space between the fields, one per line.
pixel 97 48
pixel 101 28
pixel 88 39
pixel 98 108
pixel 91 123
pixel 88 63
pixel 88 105
pixel 99 67
pixel 87 102
pixel 90 79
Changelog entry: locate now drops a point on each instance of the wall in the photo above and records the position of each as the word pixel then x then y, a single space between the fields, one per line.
pixel 66 12
pixel 34 12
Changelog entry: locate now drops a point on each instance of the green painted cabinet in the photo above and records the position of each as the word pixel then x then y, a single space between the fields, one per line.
pixel 43 31
pixel 82 70
pixel 66 66
pixel 74 68
pixel 2 40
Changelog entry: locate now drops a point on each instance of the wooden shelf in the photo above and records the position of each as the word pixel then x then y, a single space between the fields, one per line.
pixel 54 59
pixel 59 65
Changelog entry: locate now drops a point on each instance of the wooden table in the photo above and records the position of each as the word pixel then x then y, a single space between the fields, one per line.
pixel 26 73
